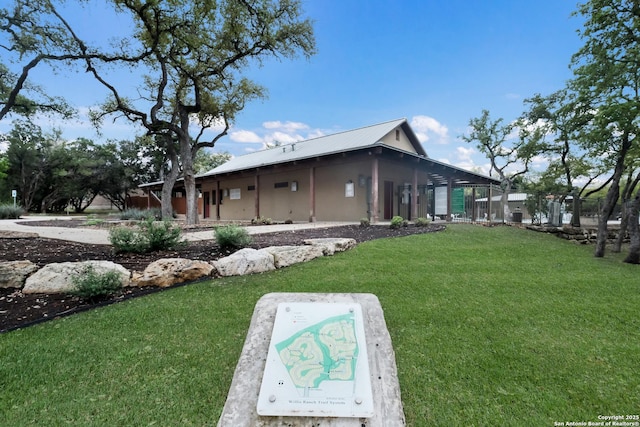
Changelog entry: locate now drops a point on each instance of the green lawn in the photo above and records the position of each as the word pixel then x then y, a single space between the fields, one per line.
pixel 491 326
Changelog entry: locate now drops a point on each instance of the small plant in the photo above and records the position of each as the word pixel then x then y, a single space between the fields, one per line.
pixel 160 235
pixel 10 212
pixel 93 222
pixel 149 236
pixel 232 236
pixel 261 221
pixel 397 222
pixel 288 221
pixel 141 214
pixel 421 222
pixel 365 222
pixel 91 284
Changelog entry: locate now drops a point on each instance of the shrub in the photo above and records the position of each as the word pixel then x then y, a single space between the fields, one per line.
pixel 232 236
pixel 10 212
pixel 127 240
pixel 397 222
pixel 364 222
pixel 141 214
pixel 92 285
pixel 261 221
pixel 149 236
pixel 288 221
pixel 160 235
pixel 421 222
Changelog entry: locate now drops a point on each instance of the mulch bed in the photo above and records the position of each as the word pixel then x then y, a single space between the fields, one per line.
pixel 19 310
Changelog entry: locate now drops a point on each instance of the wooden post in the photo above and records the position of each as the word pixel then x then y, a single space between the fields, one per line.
pixel 218 198
pixel 449 198
pixel 312 194
pixel 414 195
pixel 374 192
pixel 256 196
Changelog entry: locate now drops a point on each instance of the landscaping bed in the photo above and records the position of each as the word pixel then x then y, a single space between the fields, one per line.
pixel 18 309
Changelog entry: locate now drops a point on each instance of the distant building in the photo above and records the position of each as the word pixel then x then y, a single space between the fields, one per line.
pixel 374 172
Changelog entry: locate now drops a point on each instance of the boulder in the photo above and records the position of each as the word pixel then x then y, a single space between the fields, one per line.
pixel 284 256
pixel 170 271
pixel 245 261
pixel 332 245
pixel 58 277
pixel 14 273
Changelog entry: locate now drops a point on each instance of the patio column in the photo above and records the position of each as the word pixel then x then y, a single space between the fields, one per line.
pixel 449 198
pixel 414 195
pixel 256 196
pixel 218 198
pixel 312 194
pixel 374 191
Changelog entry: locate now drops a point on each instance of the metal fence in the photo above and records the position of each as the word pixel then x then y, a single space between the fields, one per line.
pixel 469 203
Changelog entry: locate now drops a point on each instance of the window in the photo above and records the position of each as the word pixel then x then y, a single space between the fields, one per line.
pixel 281 184
pixel 397 134
pixel 234 194
pixel 251 188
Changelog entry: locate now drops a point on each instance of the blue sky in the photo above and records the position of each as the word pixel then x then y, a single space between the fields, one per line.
pixel 437 63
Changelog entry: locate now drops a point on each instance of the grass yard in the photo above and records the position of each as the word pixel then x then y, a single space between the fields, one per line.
pixel 491 326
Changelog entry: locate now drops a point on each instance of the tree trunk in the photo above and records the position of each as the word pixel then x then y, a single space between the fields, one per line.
pixel 605 213
pixel 634 231
pixel 167 186
pixel 186 155
pixel 575 218
pixel 617 246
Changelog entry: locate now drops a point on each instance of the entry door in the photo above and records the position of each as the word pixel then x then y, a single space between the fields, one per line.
pixel 388 199
pixel 205 201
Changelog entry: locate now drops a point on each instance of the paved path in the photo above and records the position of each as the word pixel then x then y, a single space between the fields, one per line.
pixel 101 237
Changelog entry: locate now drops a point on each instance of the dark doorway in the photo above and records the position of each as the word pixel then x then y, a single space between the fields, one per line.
pixel 388 199
pixel 205 202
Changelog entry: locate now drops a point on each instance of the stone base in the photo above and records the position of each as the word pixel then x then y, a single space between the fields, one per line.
pixel 240 407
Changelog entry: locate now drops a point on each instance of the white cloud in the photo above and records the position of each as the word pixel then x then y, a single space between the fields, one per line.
pixel 287 127
pixel 429 129
pixel 244 136
pixel 282 138
pixel 464 154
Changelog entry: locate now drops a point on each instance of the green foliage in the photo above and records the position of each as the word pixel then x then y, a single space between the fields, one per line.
pixel 540 346
pixel 10 212
pixel 365 222
pixel 92 285
pixel 232 236
pixel 127 240
pixel 140 214
pixel 397 222
pixel 160 235
pixel 261 221
pixel 421 222
pixel 149 236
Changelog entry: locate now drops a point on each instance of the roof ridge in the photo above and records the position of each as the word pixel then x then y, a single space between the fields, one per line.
pixel 351 130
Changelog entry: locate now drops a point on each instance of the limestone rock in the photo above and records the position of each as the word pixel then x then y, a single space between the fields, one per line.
pixel 14 273
pixel 170 271
pixel 332 245
pixel 284 256
pixel 58 277
pixel 245 261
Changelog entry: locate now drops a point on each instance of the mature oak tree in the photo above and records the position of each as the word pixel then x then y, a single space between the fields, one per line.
pixel 188 54
pixel 510 159
pixel 193 75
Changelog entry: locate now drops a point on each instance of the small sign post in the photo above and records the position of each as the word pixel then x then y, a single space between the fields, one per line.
pixel 14 194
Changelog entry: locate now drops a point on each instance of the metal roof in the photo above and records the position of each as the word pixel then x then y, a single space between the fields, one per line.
pixel 341 142
pixel 348 141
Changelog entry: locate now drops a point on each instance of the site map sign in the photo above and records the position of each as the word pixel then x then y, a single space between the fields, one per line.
pixel 317 363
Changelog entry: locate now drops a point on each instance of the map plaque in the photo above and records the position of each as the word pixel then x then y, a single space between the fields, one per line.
pixel 317 363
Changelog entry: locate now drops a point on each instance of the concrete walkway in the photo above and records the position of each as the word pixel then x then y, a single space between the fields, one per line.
pixel 101 236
